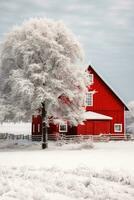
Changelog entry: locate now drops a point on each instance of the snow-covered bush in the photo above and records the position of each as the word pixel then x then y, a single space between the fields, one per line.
pixel 40 63
pixel 77 146
pixel 18 144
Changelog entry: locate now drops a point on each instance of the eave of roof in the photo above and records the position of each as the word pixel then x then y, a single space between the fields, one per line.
pixel 90 67
pixel 95 116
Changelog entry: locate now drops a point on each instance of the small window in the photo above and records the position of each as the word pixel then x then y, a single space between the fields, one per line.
pixel 117 127
pixel 63 127
pixel 89 99
pixel 91 78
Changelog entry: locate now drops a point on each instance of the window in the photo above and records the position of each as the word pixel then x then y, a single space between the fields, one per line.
pixel 117 127
pixel 63 127
pixel 89 99
pixel 91 78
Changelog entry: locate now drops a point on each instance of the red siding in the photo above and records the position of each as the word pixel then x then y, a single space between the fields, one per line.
pixel 94 127
pixel 104 98
pixel 105 102
pixel 52 129
pixel 101 127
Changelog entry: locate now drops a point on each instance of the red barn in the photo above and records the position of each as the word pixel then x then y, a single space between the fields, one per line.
pixel 105 112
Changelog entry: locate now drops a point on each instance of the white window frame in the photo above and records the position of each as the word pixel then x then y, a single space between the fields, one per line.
pixel 91 104
pixel 115 129
pixel 63 124
pixel 91 78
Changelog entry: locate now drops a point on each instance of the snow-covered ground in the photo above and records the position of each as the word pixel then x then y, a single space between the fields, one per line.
pixel 68 172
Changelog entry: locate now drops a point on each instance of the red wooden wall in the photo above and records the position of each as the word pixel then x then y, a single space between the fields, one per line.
pixel 106 102
pixel 36 125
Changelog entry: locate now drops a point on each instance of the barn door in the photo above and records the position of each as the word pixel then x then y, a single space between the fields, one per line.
pixel 101 127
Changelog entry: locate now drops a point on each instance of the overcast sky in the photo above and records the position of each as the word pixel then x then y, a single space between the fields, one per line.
pixel 104 27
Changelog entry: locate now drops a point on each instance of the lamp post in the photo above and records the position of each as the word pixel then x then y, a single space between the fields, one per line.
pixel 44 127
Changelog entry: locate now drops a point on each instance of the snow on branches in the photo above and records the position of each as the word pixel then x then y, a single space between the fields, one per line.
pixel 39 62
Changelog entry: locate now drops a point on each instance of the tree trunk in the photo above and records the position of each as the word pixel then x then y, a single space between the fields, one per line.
pixel 44 127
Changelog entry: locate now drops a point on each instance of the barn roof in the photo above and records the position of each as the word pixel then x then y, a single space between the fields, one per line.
pixel 90 67
pixel 93 115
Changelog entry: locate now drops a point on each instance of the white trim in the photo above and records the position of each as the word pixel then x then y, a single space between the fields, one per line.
pixel 125 127
pixel 116 130
pixel 91 78
pixel 89 93
pixel 38 128
pixel 63 124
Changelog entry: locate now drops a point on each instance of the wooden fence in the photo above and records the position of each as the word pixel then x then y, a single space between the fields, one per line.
pixel 68 138
pixel 6 136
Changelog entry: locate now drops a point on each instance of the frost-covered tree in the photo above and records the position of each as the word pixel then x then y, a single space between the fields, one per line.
pixel 130 117
pixel 40 64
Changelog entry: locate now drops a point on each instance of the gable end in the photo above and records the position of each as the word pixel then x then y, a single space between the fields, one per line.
pixel 91 68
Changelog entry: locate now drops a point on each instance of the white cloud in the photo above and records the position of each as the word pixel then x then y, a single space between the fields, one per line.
pixel 79 7
pixel 122 5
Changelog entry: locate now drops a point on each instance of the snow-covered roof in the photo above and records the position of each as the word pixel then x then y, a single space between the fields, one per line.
pixel 59 121
pixel 94 115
